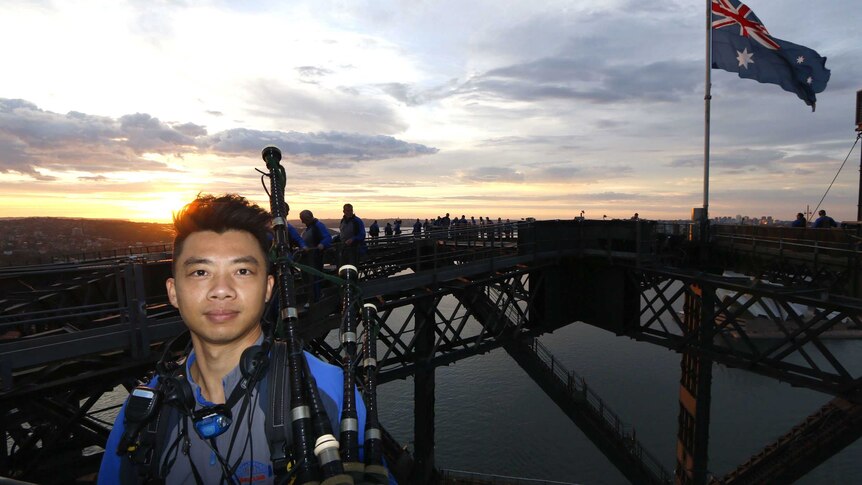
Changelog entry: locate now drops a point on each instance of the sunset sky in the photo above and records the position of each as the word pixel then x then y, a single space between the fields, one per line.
pixel 127 109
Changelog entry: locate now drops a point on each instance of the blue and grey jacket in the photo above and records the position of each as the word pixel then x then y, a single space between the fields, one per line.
pixel 317 234
pixel 352 229
pixel 244 445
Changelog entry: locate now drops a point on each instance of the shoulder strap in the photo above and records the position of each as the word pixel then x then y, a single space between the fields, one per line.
pixel 143 465
pixel 276 395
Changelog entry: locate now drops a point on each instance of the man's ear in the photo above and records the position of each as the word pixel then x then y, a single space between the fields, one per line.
pixel 270 283
pixel 170 284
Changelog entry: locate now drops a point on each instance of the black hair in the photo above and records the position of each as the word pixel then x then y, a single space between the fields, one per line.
pixel 229 212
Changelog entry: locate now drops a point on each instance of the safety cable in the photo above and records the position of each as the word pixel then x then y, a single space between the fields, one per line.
pixel 859 135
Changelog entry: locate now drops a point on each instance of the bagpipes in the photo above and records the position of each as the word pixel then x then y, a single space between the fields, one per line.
pixel 317 456
pixel 372 471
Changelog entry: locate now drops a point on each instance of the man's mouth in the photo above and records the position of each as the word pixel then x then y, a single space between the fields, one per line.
pixel 221 315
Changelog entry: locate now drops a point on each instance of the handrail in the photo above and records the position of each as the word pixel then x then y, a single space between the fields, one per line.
pixel 106 254
pixel 786 243
pixel 463 477
pixel 577 388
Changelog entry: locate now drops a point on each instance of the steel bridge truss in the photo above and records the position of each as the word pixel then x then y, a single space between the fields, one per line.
pixel 455 306
pixel 765 329
pixel 774 331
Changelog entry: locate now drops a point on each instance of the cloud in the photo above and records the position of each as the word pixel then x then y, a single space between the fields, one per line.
pixel 492 174
pixel 417 96
pixel 97 178
pixel 569 172
pixel 32 140
pixel 345 109
pixel 556 141
pixel 316 148
pixel 745 158
pixel 551 79
pixel 555 78
pixel 310 74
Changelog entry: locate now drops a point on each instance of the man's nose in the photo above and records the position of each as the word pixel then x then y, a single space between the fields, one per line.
pixel 222 287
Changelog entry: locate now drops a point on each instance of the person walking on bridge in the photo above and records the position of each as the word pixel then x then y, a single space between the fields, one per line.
pixel 317 240
pixel 352 237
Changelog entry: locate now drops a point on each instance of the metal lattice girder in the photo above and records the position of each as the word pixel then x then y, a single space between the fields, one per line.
pixel 817 438
pixel 457 332
pixel 55 413
pixel 794 321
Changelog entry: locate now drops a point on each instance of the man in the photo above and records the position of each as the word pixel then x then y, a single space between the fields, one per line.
pixel 417 228
pixel 294 240
pixel 352 236
pixel 374 229
pixel 220 285
pixel 317 240
pixel 824 221
pixel 800 220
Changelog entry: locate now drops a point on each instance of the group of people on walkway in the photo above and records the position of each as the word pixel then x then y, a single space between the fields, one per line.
pixel 822 222
pixel 315 240
pixel 447 226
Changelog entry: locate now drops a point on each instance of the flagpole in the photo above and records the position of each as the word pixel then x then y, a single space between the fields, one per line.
pixel 706 99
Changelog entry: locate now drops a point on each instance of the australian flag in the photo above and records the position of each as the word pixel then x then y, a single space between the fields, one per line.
pixel 741 44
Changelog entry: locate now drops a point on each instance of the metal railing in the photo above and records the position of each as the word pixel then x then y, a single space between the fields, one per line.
pixel 781 244
pixel 576 387
pixel 149 252
pixel 463 477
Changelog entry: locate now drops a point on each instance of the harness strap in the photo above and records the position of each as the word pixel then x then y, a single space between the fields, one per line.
pixel 278 403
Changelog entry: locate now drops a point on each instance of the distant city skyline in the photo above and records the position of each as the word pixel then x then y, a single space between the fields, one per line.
pixel 495 109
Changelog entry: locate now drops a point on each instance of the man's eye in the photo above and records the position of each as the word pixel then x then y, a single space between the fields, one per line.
pixel 199 272
pixel 244 271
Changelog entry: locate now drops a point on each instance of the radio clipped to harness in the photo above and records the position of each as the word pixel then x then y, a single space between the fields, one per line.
pixel 143 406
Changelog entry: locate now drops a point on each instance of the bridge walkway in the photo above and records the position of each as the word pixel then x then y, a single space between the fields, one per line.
pixel 589 412
pixel 568 390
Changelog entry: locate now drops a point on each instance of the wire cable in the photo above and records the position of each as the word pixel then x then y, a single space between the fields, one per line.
pixel 836 175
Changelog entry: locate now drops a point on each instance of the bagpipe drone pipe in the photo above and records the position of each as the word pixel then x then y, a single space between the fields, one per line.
pixel 315 456
pixel 318 457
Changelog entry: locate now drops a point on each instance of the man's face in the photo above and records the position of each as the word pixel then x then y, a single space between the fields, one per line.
pixel 348 211
pixel 221 286
pixel 305 218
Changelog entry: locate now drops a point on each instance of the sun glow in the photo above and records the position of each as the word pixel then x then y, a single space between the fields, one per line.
pixel 157 207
